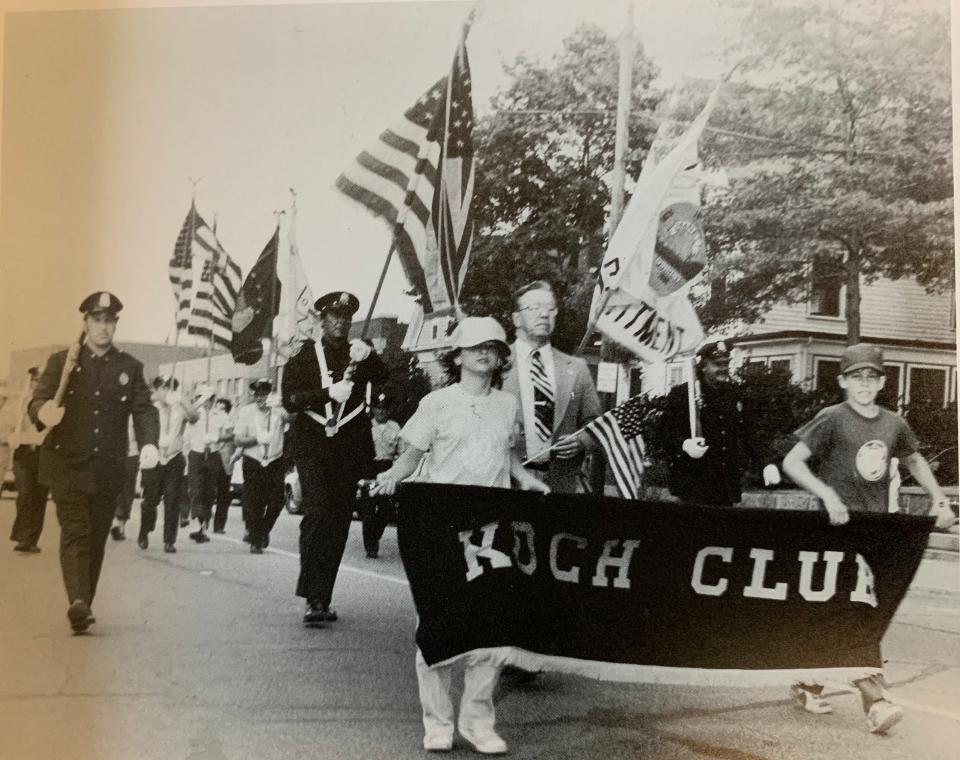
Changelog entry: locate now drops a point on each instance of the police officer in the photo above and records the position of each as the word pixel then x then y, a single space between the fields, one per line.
pixel 85 396
pixel 707 468
pixel 325 387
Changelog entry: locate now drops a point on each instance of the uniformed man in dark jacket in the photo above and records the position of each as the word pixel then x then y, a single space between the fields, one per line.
pixel 707 468
pixel 86 395
pixel 325 387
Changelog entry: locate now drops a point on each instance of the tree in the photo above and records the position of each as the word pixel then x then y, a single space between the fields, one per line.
pixel 544 160
pixel 855 174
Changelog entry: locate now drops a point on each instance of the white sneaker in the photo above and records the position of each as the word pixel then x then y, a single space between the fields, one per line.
pixel 438 741
pixel 486 742
pixel 883 716
pixel 812 703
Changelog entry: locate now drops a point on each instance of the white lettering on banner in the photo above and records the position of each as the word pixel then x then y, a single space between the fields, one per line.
pixel 573 574
pixel 725 553
pixel 525 530
pixel 472 552
pixel 864 592
pixel 807 562
pixel 622 563
pixel 756 589
pixel 642 323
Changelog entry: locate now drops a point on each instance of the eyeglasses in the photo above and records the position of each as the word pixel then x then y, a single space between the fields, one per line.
pixel 540 308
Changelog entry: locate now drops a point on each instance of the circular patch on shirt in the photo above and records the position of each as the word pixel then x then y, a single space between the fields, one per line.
pixel 872 460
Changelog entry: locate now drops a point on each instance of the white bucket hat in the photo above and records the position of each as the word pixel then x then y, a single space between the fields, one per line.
pixel 473 331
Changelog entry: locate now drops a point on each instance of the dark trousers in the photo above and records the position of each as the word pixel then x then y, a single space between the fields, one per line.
pixel 202 475
pixel 125 498
pixel 162 482
pixel 262 497
pixel 223 497
pixel 183 498
pixel 31 496
pixel 84 526
pixel 329 495
pixel 375 512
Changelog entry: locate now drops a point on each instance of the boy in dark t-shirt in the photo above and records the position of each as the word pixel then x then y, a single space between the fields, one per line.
pixel 853 443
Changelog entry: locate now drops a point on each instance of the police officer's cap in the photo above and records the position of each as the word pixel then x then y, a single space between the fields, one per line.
pixel 101 302
pixel 261 385
pixel 338 300
pixel 717 352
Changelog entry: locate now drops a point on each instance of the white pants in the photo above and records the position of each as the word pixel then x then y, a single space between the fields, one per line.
pixel 477 715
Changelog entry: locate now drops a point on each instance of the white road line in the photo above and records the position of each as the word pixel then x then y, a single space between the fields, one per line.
pixel 949 715
pixel 349 568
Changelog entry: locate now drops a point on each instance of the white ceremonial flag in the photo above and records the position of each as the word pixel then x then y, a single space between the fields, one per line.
pixel 656 251
pixel 296 318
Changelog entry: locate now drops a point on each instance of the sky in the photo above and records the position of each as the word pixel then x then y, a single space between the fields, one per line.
pixel 113 119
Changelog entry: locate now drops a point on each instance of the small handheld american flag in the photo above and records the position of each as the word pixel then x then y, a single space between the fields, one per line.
pixel 618 432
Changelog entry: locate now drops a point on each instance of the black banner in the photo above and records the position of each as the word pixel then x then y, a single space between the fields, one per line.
pixel 653 592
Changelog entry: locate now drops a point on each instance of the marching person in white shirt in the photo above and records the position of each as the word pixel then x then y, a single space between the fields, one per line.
pixel 164 480
pixel 205 435
pixel 259 432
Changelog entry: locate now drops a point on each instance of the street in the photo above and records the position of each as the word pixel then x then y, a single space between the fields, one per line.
pixel 201 655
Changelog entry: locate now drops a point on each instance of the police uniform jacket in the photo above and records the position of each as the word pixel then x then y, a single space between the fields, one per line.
pixel 88 448
pixel 304 391
pixel 715 478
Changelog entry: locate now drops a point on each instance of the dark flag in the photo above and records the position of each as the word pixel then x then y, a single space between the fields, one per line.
pixel 419 178
pixel 257 305
pixel 653 592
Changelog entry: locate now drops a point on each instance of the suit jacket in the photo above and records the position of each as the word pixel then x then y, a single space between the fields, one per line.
pixel 352 446
pixel 88 448
pixel 576 403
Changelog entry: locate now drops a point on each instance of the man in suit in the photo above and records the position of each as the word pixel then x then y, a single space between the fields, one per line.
pixel 85 396
pixel 325 386
pixel 556 393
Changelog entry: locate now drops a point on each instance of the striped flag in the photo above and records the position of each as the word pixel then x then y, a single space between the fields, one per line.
pixel 419 178
pixel 205 281
pixel 618 432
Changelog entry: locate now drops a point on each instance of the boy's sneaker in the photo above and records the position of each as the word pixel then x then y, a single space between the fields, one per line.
pixel 812 703
pixel 883 716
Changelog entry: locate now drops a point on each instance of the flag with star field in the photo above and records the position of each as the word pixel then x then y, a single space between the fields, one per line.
pixel 419 177
pixel 257 305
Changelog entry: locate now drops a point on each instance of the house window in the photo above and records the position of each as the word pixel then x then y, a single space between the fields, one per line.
pixel 889 396
pixel 826 287
pixel 927 385
pixel 676 375
pixel 784 364
pixel 825 379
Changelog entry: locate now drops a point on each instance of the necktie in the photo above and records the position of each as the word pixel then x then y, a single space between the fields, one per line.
pixel 542 397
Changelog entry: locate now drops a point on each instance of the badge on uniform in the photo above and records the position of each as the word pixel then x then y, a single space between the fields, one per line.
pixel 124 378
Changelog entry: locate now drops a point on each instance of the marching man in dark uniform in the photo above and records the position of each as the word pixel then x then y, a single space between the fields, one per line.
pixel 707 468
pixel 325 387
pixel 85 395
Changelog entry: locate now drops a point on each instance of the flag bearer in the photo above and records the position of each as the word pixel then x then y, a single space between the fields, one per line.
pixel 325 387
pixel 85 395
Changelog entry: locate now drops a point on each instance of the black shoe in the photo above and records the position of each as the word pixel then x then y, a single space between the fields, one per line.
pixel 327 615
pixel 79 615
pixel 219 531
pixel 314 614
pixel 256 549
pixel 200 536
pixel 170 548
pixel 117 533
pixel 372 554
pixel 142 541
pixel 266 541
pixel 26 548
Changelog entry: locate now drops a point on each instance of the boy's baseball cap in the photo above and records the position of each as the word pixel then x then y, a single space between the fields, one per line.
pixel 473 331
pixel 861 356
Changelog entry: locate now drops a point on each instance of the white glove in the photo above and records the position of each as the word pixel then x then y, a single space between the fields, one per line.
pixel 358 350
pixel 149 457
pixel 341 391
pixel 945 517
pixel 264 438
pixel 695 447
pixel 50 414
pixel 771 475
pixel 273 401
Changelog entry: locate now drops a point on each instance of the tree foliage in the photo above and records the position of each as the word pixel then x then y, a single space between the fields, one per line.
pixel 545 156
pixel 854 100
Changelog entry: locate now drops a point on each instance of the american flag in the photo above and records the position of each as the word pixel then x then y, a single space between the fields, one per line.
pixel 618 432
pixel 419 177
pixel 205 281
